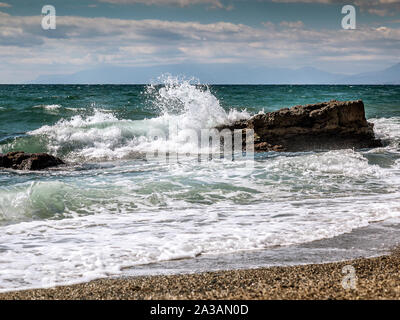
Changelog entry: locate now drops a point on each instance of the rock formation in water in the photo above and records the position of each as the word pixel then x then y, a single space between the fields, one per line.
pixel 322 126
pixel 20 160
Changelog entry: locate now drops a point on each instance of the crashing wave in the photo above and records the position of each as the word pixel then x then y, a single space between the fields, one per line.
pixel 182 105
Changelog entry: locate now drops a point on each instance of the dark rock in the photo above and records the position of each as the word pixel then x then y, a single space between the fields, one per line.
pixel 323 126
pixel 20 160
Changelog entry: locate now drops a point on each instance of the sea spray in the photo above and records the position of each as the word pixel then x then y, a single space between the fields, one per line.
pixel 183 106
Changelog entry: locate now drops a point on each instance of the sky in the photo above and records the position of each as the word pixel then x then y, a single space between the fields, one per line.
pixel 292 34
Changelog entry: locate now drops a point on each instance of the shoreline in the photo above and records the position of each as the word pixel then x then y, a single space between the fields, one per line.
pixel 377 278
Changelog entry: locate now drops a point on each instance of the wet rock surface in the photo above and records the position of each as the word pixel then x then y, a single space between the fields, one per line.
pixel 20 160
pixel 322 126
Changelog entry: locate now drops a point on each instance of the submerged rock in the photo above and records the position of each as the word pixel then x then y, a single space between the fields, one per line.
pixel 323 126
pixel 20 160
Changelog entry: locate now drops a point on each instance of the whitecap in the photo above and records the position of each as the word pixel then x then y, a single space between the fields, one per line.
pixel 182 106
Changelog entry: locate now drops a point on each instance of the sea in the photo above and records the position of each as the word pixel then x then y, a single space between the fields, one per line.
pixel 113 212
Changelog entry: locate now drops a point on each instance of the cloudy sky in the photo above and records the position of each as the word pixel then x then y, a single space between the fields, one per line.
pixel 288 33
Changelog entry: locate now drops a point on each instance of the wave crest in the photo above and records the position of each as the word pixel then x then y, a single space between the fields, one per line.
pixel 181 104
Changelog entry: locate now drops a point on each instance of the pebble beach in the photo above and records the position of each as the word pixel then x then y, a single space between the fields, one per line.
pixel 376 278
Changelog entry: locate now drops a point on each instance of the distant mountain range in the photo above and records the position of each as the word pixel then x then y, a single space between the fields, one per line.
pixel 388 76
pixel 221 74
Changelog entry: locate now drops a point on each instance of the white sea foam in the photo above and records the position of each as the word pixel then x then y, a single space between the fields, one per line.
pixel 73 226
pixel 50 107
pixel 387 128
pixel 75 109
pixel 183 107
pixel 46 253
pixel 138 213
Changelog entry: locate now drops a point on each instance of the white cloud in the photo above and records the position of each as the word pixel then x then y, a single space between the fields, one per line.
pixel 292 24
pixel 181 3
pixel 80 43
pixel 377 7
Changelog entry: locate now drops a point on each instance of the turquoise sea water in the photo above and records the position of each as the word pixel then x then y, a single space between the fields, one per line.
pixel 111 209
pixel 23 106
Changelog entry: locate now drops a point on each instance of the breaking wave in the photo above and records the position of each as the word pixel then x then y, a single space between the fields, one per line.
pixel 182 106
